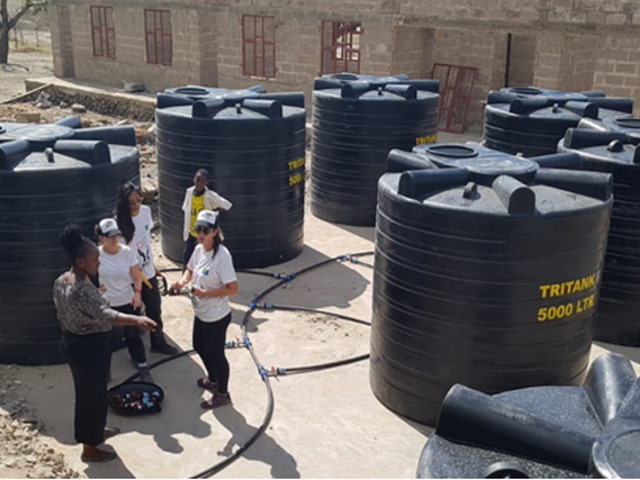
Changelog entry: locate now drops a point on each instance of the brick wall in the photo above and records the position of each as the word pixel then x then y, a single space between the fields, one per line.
pixel 617 67
pixel 412 51
pixel 483 50
pixel 61 41
pixel 562 44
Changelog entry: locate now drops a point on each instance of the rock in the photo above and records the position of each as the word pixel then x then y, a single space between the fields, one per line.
pixel 149 189
pixel 78 108
pixel 28 117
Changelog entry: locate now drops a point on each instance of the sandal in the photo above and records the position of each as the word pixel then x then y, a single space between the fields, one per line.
pixel 207 384
pixel 218 400
pixel 102 456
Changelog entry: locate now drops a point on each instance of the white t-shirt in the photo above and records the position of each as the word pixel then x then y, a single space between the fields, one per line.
pixel 115 274
pixel 210 273
pixel 141 241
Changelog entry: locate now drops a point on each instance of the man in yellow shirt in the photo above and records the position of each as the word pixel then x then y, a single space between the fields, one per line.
pixel 198 197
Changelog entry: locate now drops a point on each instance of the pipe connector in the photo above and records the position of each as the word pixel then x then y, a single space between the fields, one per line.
pixel 277 371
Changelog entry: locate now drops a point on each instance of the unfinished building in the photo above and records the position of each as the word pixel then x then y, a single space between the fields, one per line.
pixel 283 44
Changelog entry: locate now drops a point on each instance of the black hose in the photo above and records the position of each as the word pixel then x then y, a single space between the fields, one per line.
pixel 271 306
pixel 322 366
pixel 261 370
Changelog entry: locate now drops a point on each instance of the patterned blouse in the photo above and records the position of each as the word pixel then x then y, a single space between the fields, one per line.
pixel 80 307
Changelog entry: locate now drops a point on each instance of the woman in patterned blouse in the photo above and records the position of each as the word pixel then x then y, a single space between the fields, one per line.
pixel 86 321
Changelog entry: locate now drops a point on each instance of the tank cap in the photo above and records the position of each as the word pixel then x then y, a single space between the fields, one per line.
pixel 344 76
pixel 628 122
pixel 505 470
pixel 48 154
pixel 526 90
pixel 449 150
pixel 192 90
pixel 615 146
pixel 616 457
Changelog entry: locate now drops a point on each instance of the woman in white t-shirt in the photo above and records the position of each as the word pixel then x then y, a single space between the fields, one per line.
pixel 213 280
pixel 135 223
pixel 120 283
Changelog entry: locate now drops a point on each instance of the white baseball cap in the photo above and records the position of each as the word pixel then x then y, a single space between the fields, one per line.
pixel 109 227
pixel 207 218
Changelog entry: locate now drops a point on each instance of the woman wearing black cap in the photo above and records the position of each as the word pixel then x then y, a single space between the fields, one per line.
pixel 86 321
pixel 213 280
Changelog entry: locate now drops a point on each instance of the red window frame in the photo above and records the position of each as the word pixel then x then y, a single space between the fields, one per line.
pixel 259 46
pixel 103 35
pixel 158 39
pixel 340 46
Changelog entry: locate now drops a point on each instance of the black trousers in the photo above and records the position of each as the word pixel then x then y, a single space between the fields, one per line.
pixel 153 308
pixel 208 342
pixel 89 357
pixel 189 247
pixel 133 335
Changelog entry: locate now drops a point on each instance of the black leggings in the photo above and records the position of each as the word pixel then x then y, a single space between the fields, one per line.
pixel 208 342
pixel 153 308
pixel 89 358
pixel 132 335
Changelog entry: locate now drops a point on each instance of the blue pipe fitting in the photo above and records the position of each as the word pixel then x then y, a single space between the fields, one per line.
pixel 252 305
pixel 263 372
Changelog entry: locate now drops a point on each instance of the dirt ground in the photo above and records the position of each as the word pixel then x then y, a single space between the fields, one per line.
pixel 325 424
pixel 22 65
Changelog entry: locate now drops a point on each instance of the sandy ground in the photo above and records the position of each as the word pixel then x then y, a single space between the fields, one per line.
pixel 22 65
pixel 325 424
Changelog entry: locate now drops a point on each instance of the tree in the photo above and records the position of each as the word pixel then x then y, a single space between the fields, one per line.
pixel 7 22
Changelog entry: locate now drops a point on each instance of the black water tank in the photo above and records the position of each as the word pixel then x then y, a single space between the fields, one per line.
pixel 487 269
pixel 519 120
pixel 610 151
pixel 45 183
pixel 591 431
pixel 356 121
pixel 253 146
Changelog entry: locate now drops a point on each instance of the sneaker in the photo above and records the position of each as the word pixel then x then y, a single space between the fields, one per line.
pixel 218 400
pixel 207 384
pixel 163 347
pixel 144 375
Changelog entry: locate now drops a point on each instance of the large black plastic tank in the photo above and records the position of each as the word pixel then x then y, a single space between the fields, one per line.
pixel 487 268
pixel 617 318
pixel 50 175
pixel 531 121
pixel 591 431
pixel 357 119
pixel 253 145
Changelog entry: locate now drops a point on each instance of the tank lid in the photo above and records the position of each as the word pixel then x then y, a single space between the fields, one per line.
pixel 628 122
pixel 492 182
pixel 484 164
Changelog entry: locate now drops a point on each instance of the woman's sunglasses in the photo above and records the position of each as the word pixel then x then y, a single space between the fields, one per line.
pixel 204 230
